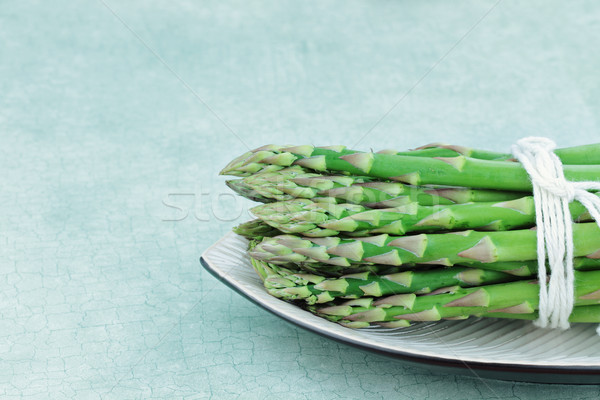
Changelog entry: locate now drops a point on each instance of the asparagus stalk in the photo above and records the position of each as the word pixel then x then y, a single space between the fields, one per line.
pixel 336 271
pixel 319 219
pixel 580 314
pixel 517 298
pixel 331 271
pixel 524 268
pixel 297 182
pixel 577 155
pixel 447 150
pixel 529 267
pixel 247 191
pixel 438 249
pixel 293 285
pixel 589 313
pixel 255 230
pixel 453 171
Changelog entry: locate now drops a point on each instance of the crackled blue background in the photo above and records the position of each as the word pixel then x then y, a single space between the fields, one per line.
pixel 115 117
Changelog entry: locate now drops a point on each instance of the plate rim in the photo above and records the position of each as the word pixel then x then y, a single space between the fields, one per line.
pixel 558 374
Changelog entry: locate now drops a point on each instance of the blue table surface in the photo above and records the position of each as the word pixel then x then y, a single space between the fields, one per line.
pixel 115 118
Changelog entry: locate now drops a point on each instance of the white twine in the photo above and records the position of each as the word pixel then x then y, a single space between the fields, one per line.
pixel 552 194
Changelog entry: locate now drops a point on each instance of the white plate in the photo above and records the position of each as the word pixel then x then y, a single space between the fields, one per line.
pixel 486 347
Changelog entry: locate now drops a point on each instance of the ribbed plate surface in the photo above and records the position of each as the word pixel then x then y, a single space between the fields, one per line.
pixel 494 348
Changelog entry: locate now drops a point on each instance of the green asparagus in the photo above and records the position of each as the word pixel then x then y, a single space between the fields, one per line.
pixel 506 298
pixel 350 251
pixel 577 155
pixel 298 285
pixel 266 271
pixel 438 249
pixel 297 182
pixel 319 219
pixel 255 229
pixel 453 171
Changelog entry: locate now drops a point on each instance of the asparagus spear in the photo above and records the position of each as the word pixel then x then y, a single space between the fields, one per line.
pixel 336 271
pixel 439 249
pixel 447 150
pixel 580 314
pixel 297 182
pixel 589 313
pixel 453 171
pixel 519 297
pixel 524 268
pixel 255 229
pixel 247 191
pixel 577 155
pixel 529 267
pixel 298 285
pixel 319 219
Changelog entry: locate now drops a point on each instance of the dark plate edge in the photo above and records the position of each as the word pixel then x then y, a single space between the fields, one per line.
pixel 580 375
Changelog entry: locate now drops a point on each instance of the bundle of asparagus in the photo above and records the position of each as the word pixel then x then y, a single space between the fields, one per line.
pixel 439 232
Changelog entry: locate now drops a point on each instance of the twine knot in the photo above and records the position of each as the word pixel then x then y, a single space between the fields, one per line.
pixel 552 193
